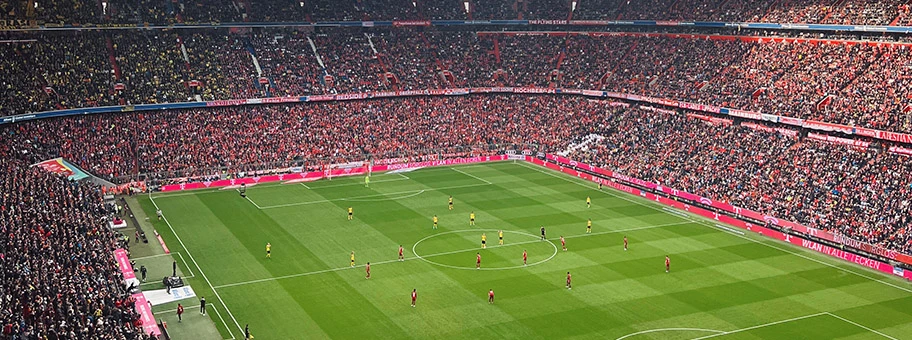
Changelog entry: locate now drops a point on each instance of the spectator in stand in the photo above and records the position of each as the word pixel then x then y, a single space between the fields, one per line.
pixel 408 56
pixel 851 12
pixel 289 63
pixel 336 10
pixel 154 68
pixel 468 56
pixel 67 11
pixel 545 9
pixel 530 61
pixel 391 9
pixel 772 171
pixel 54 245
pixel 205 11
pixel 493 10
pixel 351 62
pixel 223 65
pixel 797 11
pixel 861 12
pixel 741 11
pixel 443 9
pixel 140 11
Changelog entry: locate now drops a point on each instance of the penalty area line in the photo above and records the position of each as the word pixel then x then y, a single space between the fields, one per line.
pixel 861 326
pixel 761 326
pixel 471 175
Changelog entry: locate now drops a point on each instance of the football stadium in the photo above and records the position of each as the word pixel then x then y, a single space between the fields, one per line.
pixel 455 169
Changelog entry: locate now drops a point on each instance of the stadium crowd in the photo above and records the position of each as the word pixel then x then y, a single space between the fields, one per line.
pixel 849 12
pixel 779 173
pixel 207 141
pixel 57 254
pixel 838 82
pixel 58 276
pixel 858 193
pixel 289 63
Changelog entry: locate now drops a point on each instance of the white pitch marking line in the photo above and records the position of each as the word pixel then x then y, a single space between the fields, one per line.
pixel 425 258
pixel 741 236
pixel 669 329
pixel 150 256
pixel 419 192
pixel 471 175
pixel 438 254
pixel 369 196
pixel 223 319
pixel 761 326
pixel 200 269
pixel 191 192
pixel 251 201
pixel 186 264
pixel 355 183
pixel 860 325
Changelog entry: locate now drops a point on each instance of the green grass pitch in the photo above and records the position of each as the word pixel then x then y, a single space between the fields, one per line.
pixel 721 285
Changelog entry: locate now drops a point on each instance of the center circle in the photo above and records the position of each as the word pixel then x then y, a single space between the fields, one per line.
pixel 425 258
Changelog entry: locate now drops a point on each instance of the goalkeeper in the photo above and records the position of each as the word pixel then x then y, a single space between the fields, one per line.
pixel 367 181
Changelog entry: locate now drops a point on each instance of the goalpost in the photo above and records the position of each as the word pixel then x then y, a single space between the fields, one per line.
pixel 347 169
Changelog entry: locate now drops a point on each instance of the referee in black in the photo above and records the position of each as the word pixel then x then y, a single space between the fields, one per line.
pixel 543 233
pixel 203 305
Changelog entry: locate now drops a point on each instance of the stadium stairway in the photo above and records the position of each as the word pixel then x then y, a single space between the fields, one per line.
pixel 582 145
pixel 110 46
pixel 829 14
pixel 768 10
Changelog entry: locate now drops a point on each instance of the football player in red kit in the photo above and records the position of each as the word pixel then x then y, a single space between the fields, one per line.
pixel 568 281
pixel 667 264
pixel 414 296
pixel 525 257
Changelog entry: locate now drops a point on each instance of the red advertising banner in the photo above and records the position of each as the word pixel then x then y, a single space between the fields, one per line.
pixel 824 126
pixel 759 127
pixel 896 137
pixel 738 211
pixel 839 140
pixel 713 120
pixel 123 264
pixel 901 150
pixel 147 319
pixel 791 121
pixel 847 256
